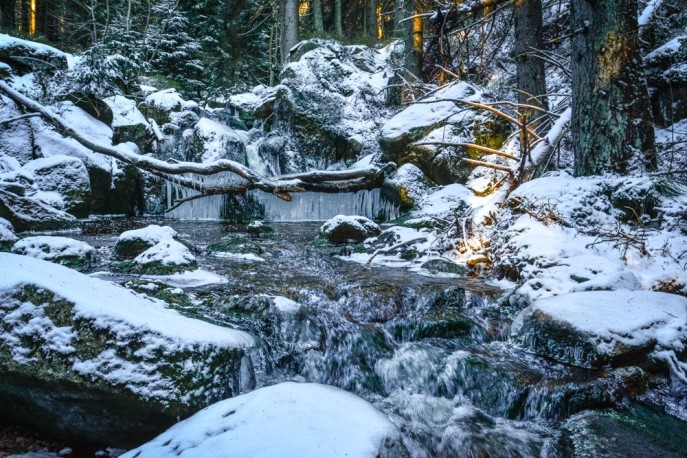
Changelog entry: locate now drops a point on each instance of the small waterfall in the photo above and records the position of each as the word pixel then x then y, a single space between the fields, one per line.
pixel 317 206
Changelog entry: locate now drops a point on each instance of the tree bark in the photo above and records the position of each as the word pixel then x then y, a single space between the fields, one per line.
pixel 530 77
pixel 413 39
pixel 317 16
pixel 612 123
pixel 371 20
pixel 289 28
pixel 338 22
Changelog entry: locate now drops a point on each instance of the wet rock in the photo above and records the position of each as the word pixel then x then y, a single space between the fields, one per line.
pixel 406 186
pixel 93 105
pixel 184 120
pixel 370 303
pixel 60 250
pixel 101 363
pixel 349 229
pixel 66 176
pixel 128 123
pixel 443 266
pixel 594 329
pixel 236 245
pixel 26 214
pixel 281 155
pixel 159 105
pixel 346 425
pixel 16 138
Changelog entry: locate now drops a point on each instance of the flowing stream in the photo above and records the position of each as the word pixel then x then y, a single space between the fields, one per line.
pixel 431 352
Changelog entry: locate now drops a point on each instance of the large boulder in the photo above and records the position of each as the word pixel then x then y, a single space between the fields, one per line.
pixel 212 141
pixel 27 214
pixel 128 124
pixel 407 186
pixel 16 139
pixel 408 136
pixel 82 358
pixel 331 422
pixel 597 328
pixel 60 250
pixel 347 229
pixel 161 104
pixel 26 55
pixel 68 177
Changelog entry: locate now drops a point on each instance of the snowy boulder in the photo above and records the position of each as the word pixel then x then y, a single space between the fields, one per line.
pixel 60 250
pixel 16 138
pixel 28 214
pixel 597 328
pixel 7 237
pixel 212 141
pixel 66 176
pixel 128 123
pixel 289 419
pixel 82 357
pixel 159 105
pixel 406 186
pixel 153 250
pixel 349 229
pixel 29 56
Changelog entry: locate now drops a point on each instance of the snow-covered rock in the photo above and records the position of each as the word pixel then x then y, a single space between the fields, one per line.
pixel 159 105
pixel 597 328
pixel 28 214
pixel 290 419
pixel 68 177
pixel 128 123
pixel 7 237
pixel 212 141
pixel 31 55
pixel 436 119
pixel 407 186
pixel 347 229
pixel 60 250
pixel 83 357
pixel 153 250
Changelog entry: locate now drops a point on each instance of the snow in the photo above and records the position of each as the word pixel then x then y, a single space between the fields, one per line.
pixel 666 50
pixel 648 12
pixel 239 256
pixel 166 252
pixel 48 248
pixel 6 232
pixel 114 307
pixel 125 111
pixel 630 318
pixel 441 203
pixel 288 419
pixel 285 305
pixel 216 137
pixel 168 100
pixel 433 110
pixel 152 234
pixel 7 41
pixel 360 223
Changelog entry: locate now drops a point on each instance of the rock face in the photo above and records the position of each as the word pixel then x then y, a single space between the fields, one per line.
pixel 347 229
pixel 28 55
pixel 128 124
pixel 212 141
pixel 159 105
pixel 28 214
pixel 81 357
pixel 60 250
pixel 330 422
pixel 7 237
pixel 407 186
pixel 66 176
pixel 597 328
pixel 153 250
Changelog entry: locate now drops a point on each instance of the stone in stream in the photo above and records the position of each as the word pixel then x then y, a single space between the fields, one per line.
pixel 153 250
pixel 84 359
pixel 60 250
pixel 599 328
pixel 28 214
pixel 289 419
pixel 349 229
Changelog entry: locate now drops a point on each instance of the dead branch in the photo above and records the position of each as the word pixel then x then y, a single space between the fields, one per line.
pixel 394 247
pixel 502 168
pixel 315 181
pixel 484 149
pixel 18 118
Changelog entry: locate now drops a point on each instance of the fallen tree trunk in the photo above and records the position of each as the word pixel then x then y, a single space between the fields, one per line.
pixel 313 181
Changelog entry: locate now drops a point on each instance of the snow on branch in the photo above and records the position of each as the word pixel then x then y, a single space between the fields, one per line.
pixel 313 181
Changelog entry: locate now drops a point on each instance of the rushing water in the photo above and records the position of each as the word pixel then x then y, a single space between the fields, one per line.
pixel 432 353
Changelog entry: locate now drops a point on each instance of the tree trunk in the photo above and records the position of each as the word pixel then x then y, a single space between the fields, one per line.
pixel 338 22
pixel 289 29
pixel 611 118
pixel 530 77
pixel 371 20
pixel 317 16
pixel 399 27
pixel 413 40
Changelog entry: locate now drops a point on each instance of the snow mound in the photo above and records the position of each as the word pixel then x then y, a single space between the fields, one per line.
pixel 166 252
pixel 6 232
pixel 167 100
pixel 125 111
pixel 152 234
pixel 53 248
pixel 289 419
